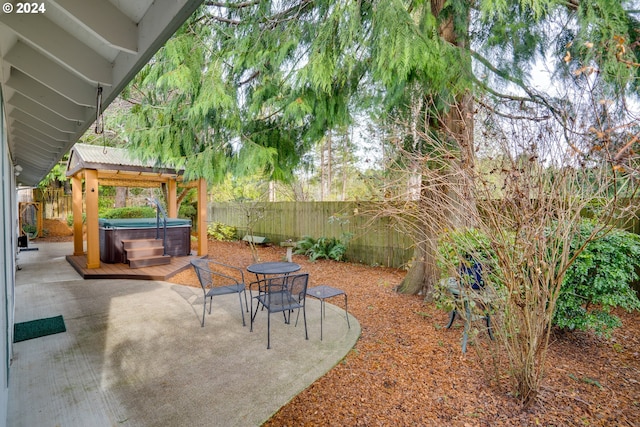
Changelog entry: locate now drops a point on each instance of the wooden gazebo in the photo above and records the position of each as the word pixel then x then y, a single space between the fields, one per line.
pixel 116 167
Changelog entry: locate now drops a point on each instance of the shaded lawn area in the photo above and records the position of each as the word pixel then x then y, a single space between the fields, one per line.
pixel 407 369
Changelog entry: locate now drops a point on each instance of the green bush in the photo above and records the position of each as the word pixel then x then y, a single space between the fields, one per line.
pixel 30 230
pixel 454 248
pixel 598 281
pixel 455 245
pixel 105 203
pixel 219 231
pixel 70 219
pixel 323 247
pixel 303 247
pixel 188 211
pixel 129 212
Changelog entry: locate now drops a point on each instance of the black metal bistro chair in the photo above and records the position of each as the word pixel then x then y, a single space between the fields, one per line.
pixel 220 279
pixel 280 294
pixel 468 291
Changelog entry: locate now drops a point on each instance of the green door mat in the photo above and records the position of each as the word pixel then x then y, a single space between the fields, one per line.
pixel 38 328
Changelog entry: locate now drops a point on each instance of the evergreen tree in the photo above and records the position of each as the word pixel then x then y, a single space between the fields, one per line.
pixel 249 86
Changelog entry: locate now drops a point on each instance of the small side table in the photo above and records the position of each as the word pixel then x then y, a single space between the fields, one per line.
pixel 323 292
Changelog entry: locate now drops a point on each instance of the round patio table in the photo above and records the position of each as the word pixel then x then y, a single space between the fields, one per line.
pixel 269 268
pixel 273 267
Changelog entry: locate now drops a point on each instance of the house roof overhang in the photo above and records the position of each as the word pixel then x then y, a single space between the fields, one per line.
pixel 54 59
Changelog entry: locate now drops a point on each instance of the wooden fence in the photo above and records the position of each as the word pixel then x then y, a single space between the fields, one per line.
pixel 373 242
pixel 57 204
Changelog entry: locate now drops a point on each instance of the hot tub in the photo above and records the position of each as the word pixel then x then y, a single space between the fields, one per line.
pixel 114 231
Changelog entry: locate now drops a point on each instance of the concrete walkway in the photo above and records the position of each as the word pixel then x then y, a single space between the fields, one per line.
pixel 134 353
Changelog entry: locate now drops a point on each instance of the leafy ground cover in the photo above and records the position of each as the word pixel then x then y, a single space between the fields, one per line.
pixel 407 369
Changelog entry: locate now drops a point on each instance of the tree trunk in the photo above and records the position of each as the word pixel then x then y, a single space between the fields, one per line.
pixel 414 282
pixel 455 124
pixel 345 164
pixel 327 167
pixel 423 274
pixel 322 173
pixel 121 197
pixel 272 191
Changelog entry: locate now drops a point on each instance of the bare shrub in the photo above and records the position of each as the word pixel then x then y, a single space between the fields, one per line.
pixel 526 192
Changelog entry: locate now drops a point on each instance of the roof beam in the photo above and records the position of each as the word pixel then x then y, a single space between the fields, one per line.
pixel 37 148
pixel 32 122
pixel 52 75
pixel 130 183
pixel 35 134
pixel 28 176
pixel 30 166
pixel 34 154
pixel 44 96
pixel 105 21
pixel 32 108
pixel 30 173
pixel 61 45
pixel 135 175
pixel 29 134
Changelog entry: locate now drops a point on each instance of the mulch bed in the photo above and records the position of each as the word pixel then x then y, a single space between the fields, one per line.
pixel 56 230
pixel 408 370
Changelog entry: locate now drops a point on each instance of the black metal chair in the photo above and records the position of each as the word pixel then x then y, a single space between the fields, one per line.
pixel 467 292
pixel 220 279
pixel 281 294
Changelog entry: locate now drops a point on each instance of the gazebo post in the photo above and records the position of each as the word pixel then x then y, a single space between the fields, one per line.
pixel 76 188
pixel 172 198
pixel 93 237
pixel 202 217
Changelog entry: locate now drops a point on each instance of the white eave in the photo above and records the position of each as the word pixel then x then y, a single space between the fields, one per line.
pixel 52 63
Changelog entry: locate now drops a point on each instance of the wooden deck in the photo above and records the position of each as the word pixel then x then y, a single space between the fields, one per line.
pixel 122 271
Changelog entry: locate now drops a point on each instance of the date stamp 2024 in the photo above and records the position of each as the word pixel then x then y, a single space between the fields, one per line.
pixel 24 8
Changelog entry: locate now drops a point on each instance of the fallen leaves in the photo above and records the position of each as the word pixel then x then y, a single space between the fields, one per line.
pixel 407 369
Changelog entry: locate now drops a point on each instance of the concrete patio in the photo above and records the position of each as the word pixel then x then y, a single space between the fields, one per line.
pixel 134 353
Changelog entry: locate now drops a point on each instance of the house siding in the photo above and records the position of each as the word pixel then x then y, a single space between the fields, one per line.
pixel 7 258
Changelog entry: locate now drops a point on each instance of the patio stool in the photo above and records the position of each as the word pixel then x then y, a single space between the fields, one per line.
pixel 323 292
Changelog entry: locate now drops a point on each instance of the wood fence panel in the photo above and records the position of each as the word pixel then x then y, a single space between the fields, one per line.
pixel 372 242
pixel 375 242
pixel 57 204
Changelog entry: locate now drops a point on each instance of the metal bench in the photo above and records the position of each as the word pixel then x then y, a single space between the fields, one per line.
pixel 256 240
pixel 470 293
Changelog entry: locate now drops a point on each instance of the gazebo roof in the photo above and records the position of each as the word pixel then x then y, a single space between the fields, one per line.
pixel 116 166
pixel 85 156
